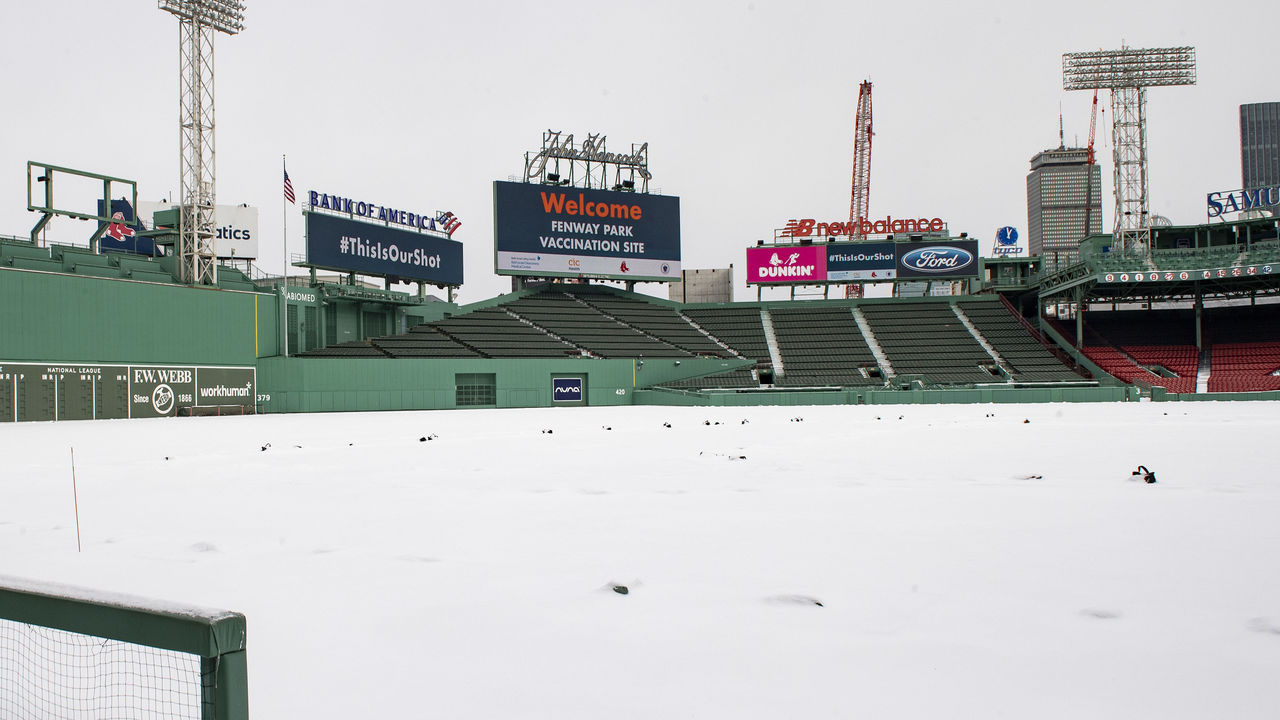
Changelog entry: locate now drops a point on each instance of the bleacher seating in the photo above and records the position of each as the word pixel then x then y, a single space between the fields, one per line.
pixel 928 339
pixel 653 319
pixel 1244 367
pixel 728 380
pixel 738 327
pixel 1024 354
pixel 353 349
pixel 822 346
pixel 584 326
pixel 492 332
pixel 422 341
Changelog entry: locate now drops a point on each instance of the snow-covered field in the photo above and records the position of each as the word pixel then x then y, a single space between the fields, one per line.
pixel 818 562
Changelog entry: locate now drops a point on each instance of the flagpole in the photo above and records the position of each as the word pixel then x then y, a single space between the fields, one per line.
pixel 284 273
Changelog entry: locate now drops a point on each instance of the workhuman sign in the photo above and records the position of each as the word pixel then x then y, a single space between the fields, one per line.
pixel 555 231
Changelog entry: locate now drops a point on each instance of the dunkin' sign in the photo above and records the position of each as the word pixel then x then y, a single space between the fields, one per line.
pixel 793 264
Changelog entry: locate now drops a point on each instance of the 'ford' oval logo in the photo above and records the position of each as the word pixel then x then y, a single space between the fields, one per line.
pixel 938 259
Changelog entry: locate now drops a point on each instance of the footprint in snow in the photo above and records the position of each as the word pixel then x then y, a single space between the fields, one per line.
pixel 1264 626
pixel 1101 614
pixel 794 600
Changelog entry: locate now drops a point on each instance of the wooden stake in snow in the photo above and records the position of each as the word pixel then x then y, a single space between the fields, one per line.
pixel 75 494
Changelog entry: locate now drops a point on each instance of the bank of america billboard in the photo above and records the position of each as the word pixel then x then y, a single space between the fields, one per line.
pixel 556 231
pixel 346 245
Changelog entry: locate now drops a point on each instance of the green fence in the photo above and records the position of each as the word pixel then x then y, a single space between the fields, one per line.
pixel 663 396
pixel 362 384
pixel 162 659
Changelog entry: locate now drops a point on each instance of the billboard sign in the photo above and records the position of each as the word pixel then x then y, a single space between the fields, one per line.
pixel 787 265
pixel 553 231
pixel 445 222
pixel 1236 201
pixel 159 391
pixel 949 259
pixel 861 261
pixel 809 227
pixel 235 228
pixel 566 389
pixel 346 245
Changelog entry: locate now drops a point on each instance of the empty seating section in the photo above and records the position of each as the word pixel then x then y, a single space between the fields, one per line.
pixel 1182 360
pixel 821 346
pixel 353 349
pixel 1131 344
pixel 586 327
pixel 492 332
pixel 738 327
pixel 1245 367
pixel 1121 366
pixel 423 341
pixel 653 319
pixel 928 339
pixel 1027 358
pixel 1140 327
pixel 1246 348
pixel 82 261
pixel 732 379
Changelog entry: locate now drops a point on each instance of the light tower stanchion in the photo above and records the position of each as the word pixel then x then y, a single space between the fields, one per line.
pixel 197 22
pixel 1127 73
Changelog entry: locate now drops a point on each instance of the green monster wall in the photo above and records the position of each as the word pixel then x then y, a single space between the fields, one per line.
pixel 73 318
pixel 359 384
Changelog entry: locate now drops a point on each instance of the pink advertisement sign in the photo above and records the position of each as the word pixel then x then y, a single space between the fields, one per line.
pixel 790 265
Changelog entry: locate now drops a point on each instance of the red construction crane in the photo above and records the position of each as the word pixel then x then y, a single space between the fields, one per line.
pixel 1088 171
pixel 860 197
pixel 1093 125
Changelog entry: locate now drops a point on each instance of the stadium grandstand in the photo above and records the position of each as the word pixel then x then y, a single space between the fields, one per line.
pixel 1193 318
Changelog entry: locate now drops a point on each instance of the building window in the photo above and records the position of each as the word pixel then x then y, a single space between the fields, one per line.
pixel 475 389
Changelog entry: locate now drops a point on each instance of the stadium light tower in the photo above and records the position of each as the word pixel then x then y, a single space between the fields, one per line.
pixel 197 22
pixel 1127 73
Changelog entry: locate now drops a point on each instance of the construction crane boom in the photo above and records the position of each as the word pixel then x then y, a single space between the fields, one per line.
pixel 1088 170
pixel 860 196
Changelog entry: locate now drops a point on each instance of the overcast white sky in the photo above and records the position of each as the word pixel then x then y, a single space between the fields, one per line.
pixel 747 106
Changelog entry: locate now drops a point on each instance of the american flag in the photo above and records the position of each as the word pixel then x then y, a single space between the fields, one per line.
pixel 288 189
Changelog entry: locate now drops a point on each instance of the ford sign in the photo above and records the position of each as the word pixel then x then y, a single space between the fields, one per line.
pixel 952 259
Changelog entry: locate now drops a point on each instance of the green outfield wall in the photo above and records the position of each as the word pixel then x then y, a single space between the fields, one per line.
pixel 365 384
pixel 75 318
pixel 690 398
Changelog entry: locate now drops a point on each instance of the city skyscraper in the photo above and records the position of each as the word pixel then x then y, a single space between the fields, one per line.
pixel 1260 145
pixel 1058 194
